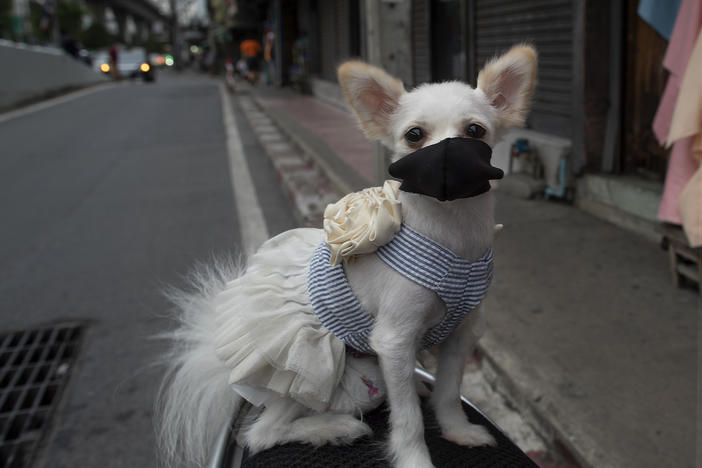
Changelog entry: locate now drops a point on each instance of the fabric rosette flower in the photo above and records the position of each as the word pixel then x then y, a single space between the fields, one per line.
pixel 362 221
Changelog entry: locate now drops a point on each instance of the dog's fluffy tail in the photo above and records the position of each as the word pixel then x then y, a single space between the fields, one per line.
pixel 195 400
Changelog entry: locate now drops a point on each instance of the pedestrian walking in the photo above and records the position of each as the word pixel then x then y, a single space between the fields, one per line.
pixel 113 62
pixel 250 50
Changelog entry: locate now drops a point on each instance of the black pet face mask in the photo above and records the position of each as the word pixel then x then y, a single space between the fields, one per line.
pixel 450 169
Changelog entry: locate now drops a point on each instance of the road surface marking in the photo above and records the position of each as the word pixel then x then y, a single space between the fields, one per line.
pixel 251 222
pixel 53 102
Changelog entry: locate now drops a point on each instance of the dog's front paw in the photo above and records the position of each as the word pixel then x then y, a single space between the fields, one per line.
pixel 259 438
pixel 328 428
pixel 471 435
pixel 406 451
pixel 316 430
pixel 412 458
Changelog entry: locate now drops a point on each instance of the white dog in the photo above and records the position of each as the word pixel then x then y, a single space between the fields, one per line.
pixel 253 334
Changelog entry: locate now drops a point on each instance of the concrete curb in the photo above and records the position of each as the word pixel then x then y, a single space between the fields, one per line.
pixel 344 178
pixel 308 186
pixel 542 417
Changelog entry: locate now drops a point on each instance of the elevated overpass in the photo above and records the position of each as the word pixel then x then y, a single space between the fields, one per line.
pixel 145 14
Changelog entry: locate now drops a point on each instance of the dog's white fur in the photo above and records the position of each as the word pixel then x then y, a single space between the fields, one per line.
pixel 196 397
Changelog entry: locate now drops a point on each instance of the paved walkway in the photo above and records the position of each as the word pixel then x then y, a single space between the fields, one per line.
pixel 331 133
pixel 592 338
pixel 586 333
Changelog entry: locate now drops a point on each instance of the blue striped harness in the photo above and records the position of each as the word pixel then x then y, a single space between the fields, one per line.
pixel 460 284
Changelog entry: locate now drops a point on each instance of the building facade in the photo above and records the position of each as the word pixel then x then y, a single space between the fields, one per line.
pixel 599 82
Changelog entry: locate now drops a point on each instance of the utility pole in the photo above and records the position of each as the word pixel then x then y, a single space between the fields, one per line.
pixel 388 40
pixel 20 20
pixel 175 39
pixel 388 44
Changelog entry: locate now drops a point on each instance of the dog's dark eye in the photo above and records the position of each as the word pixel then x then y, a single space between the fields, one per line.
pixel 475 131
pixel 414 135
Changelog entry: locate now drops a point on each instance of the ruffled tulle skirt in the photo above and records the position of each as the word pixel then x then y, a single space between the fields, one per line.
pixel 270 338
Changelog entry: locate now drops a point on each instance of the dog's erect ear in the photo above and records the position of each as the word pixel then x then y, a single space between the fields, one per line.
pixel 508 81
pixel 373 95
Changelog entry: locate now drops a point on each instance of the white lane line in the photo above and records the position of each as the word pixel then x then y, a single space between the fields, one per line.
pixel 252 225
pixel 54 102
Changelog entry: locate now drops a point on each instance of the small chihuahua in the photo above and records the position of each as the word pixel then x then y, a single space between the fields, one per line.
pixel 233 332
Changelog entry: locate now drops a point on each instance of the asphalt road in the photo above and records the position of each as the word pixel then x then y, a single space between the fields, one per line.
pixel 106 199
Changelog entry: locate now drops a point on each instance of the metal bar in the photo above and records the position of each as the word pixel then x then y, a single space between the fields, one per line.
pixel 25 344
pixel 219 458
pixel 504 41
pixel 546 107
pixel 578 113
pixel 42 359
pixel 470 38
pixel 501 7
pixel 24 341
pixel 34 347
pixel 534 17
pixel 545 30
pixel 556 99
pixel 53 365
pixel 556 51
pixel 611 160
pixel 6 341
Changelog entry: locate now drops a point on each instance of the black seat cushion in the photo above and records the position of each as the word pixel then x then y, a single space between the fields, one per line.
pixel 369 452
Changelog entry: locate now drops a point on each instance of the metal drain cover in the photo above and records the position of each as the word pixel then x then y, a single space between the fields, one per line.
pixel 34 367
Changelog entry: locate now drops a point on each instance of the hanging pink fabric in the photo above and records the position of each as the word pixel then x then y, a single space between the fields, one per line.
pixel 691 209
pixel 687 124
pixel 687 116
pixel 681 165
pixel 681 168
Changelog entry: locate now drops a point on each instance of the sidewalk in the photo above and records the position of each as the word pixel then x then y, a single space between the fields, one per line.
pixel 587 336
pixel 325 131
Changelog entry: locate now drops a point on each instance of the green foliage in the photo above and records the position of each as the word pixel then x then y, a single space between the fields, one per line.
pixel 6 19
pixel 153 45
pixel 42 31
pixel 70 17
pixel 96 36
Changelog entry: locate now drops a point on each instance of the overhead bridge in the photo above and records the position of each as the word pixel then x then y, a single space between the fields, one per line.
pixel 146 15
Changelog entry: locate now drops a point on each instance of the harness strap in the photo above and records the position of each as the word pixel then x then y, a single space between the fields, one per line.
pixel 460 284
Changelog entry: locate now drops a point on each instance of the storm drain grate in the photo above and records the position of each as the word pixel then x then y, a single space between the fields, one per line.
pixel 34 366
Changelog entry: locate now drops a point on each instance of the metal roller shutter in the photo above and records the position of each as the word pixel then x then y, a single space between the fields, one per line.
pixel 339 31
pixel 548 24
pixel 327 36
pixel 421 41
pixel 343 30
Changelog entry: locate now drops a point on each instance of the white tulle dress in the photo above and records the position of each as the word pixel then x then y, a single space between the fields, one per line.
pixel 274 343
pixel 268 333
